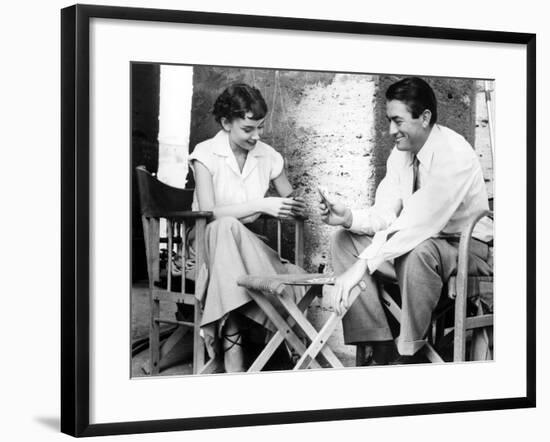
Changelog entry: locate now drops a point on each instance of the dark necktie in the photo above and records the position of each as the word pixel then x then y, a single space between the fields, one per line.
pixel 416 183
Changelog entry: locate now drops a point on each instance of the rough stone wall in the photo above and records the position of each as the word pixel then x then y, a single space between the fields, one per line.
pixel 482 134
pixel 334 124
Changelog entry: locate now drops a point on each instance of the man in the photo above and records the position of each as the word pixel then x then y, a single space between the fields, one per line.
pixel 433 183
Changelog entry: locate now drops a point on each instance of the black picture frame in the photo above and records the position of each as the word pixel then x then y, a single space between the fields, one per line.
pixel 75 213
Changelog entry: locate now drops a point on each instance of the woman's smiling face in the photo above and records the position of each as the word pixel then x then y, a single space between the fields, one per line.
pixel 245 132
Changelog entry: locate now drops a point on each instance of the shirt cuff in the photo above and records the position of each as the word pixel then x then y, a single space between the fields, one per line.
pixel 360 221
pixel 373 264
pixel 372 253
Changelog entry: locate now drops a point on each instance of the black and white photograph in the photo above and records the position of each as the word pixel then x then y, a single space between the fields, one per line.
pixel 295 219
pixel 288 219
pixel 275 221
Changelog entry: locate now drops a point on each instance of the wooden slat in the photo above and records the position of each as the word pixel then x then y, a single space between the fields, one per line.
pixel 279 238
pixel 214 365
pixel 479 321
pixel 308 329
pixel 179 215
pixel 183 254
pixel 391 305
pixel 476 285
pixel 169 229
pixel 154 328
pixel 146 233
pixel 459 348
pixel 278 338
pixel 181 298
pixel 198 344
pixel 175 322
pixel 280 323
pixel 299 243
pixel 154 229
pixel 431 354
pixel 320 340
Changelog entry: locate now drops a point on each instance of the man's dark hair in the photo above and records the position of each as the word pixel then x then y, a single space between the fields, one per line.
pixel 416 94
pixel 237 100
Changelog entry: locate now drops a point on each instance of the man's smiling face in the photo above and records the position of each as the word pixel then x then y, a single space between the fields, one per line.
pixel 409 133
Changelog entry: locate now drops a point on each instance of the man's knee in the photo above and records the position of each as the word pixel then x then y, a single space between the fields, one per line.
pixel 424 261
pixel 424 253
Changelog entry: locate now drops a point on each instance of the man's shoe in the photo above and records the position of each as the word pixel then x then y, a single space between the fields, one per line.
pixel 367 357
pixel 384 352
pixel 405 360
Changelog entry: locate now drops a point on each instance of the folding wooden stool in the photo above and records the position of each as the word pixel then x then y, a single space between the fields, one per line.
pixel 293 324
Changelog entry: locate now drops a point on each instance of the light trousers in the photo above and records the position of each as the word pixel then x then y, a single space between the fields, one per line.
pixel 232 250
pixel 420 274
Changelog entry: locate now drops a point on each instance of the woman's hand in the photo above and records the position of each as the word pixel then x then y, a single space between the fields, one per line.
pixel 299 208
pixel 339 299
pixel 283 207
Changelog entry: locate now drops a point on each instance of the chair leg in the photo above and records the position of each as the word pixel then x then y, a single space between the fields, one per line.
pixel 459 352
pixel 150 231
pixel 154 337
pixel 198 344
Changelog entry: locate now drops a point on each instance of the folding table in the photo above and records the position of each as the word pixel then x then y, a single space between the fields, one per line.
pixel 292 324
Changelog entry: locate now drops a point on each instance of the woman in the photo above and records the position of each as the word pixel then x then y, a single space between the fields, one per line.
pixel 233 171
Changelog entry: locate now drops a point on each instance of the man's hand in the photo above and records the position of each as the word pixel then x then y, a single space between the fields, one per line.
pixel 335 214
pixel 344 283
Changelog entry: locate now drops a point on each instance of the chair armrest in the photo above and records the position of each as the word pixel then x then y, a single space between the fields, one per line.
pixel 184 214
pixel 463 247
pixel 265 216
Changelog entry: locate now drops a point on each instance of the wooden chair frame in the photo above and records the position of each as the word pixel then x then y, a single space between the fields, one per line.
pixel 160 201
pixel 464 286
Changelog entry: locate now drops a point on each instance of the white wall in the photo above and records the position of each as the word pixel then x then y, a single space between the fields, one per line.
pixel 176 91
pixel 30 185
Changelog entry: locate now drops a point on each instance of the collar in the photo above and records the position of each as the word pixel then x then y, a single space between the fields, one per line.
pixel 223 148
pixel 426 153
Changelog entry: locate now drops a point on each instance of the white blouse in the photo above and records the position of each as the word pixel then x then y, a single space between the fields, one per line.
pixel 231 186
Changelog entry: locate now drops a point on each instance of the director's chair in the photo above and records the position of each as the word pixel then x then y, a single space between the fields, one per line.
pixel 159 201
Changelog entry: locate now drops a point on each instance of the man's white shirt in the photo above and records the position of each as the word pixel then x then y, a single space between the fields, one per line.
pixel 451 189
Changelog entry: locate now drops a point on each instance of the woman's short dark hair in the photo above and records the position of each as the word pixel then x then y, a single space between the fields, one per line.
pixel 238 100
pixel 416 94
